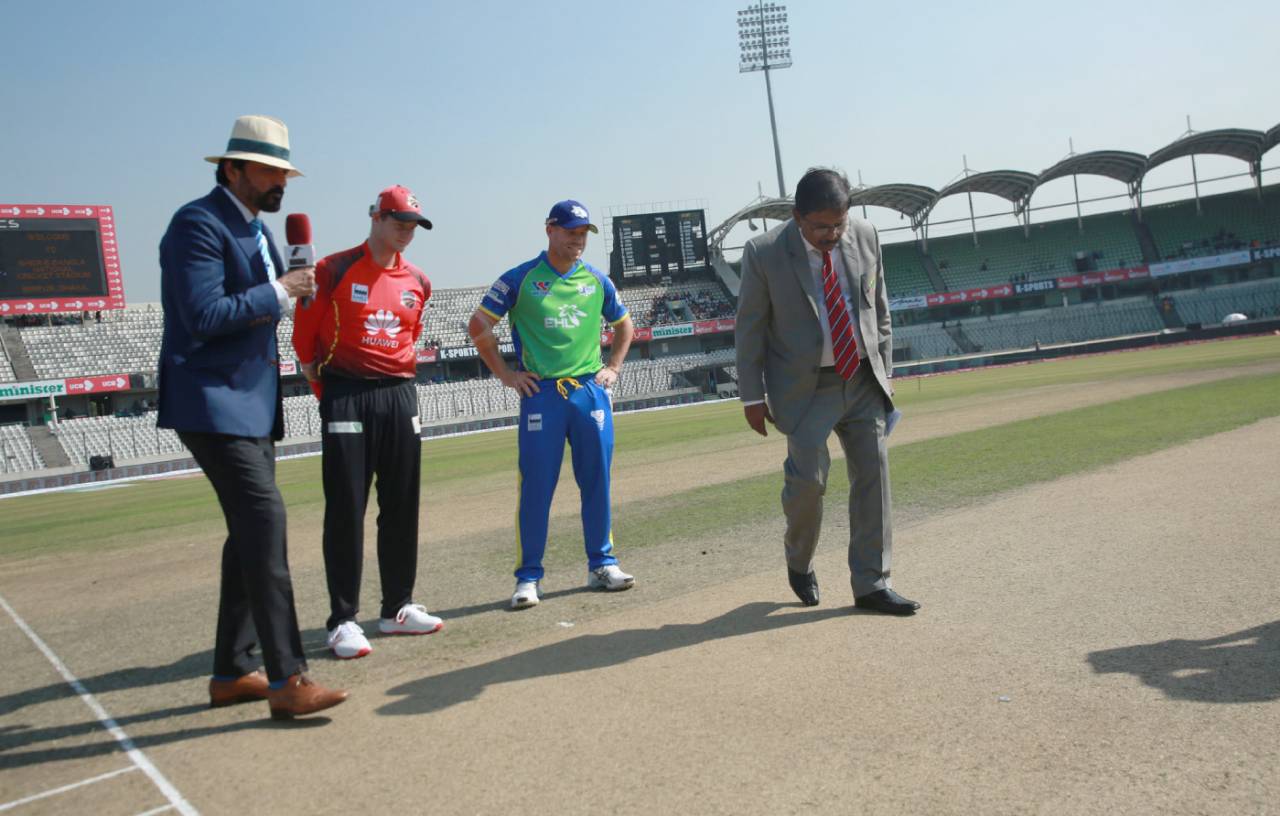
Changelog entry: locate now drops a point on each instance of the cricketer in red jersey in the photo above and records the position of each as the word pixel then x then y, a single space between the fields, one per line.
pixel 355 342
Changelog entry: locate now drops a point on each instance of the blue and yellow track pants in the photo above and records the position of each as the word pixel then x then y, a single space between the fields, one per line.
pixel 576 409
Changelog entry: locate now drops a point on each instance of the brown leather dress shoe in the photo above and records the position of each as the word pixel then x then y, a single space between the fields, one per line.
pixel 300 696
pixel 246 689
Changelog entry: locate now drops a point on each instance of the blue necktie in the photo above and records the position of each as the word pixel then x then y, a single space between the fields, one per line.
pixel 263 250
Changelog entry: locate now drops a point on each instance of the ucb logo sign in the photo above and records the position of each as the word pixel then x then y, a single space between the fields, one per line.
pixel 1268 254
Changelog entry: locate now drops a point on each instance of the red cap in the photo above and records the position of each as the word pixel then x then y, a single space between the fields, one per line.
pixel 400 204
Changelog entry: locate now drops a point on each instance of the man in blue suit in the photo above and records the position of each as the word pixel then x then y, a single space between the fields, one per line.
pixel 224 286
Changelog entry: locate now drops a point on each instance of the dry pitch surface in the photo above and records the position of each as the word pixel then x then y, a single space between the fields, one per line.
pixel 1109 642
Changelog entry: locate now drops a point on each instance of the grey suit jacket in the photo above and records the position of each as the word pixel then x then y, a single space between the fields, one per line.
pixel 778 334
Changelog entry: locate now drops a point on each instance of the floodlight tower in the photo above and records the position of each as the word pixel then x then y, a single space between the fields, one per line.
pixel 765 41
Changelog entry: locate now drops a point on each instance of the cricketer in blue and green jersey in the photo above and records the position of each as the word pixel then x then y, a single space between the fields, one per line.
pixel 555 324
pixel 555 319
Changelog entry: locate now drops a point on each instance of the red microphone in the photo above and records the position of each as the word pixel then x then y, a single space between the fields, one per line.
pixel 301 252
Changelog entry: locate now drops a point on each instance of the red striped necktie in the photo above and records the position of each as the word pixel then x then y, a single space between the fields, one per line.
pixel 843 346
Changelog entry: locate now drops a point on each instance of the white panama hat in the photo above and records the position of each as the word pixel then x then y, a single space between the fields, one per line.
pixel 263 139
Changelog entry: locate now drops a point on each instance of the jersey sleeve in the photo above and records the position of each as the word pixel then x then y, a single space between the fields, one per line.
pixel 613 308
pixel 308 312
pixel 425 283
pixel 501 297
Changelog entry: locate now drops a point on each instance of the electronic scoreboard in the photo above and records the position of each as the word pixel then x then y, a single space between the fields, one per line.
pixel 58 258
pixel 657 245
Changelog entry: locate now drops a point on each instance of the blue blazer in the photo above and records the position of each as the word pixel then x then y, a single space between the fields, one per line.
pixel 219 365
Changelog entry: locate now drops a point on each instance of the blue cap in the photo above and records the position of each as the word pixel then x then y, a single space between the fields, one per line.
pixel 570 214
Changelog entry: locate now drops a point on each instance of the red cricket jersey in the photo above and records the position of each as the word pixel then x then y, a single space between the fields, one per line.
pixel 363 321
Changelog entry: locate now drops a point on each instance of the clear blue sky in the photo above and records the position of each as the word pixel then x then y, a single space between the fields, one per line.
pixel 491 111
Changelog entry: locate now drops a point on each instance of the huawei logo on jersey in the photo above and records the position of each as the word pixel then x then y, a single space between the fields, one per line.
pixel 381 322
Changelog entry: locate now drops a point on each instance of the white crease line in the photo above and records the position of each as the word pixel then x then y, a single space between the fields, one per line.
pixel 139 759
pixel 65 788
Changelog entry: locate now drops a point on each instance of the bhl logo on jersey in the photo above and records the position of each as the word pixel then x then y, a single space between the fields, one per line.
pixel 359 293
pixel 570 317
pixel 409 298
pixel 542 288
pixel 587 289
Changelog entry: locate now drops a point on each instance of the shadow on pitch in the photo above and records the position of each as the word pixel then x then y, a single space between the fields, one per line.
pixel 503 605
pixel 14 738
pixel 1242 667
pixel 588 652
pixel 196 665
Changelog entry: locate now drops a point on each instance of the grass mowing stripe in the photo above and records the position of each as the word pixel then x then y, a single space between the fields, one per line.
pixel 142 512
pixel 942 473
pixel 1224 354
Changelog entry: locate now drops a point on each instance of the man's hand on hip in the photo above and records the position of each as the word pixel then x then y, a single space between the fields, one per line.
pixel 606 377
pixel 756 415
pixel 524 382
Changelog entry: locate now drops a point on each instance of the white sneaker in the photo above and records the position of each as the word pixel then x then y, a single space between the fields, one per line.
pixel 412 619
pixel 525 596
pixel 348 641
pixel 609 577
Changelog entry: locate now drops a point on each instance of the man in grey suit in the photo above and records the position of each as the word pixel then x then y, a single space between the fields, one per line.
pixel 815 356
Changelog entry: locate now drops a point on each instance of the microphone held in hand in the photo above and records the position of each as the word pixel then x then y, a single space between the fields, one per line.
pixel 302 253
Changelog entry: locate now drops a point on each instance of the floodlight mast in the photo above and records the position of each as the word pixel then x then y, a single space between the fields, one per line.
pixel 765 40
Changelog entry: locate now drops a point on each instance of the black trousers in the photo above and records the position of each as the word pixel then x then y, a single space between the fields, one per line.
pixel 257 591
pixel 370 427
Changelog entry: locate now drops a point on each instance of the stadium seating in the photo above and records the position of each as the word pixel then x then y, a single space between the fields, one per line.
pixel 128 439
pixel 677 303
pixel 1006 255
pixel 16 452
pixel 1227 221
pixel 122 438
pixel 1254 299
pixel 925 341
pixel 904 270
pixel 122 342
pixel 6 367
pixel 1074 324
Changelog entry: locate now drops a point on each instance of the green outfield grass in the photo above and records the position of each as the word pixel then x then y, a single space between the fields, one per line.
pixel 931 474
pixel 952 471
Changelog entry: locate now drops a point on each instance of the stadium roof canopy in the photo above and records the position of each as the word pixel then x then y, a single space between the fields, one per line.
pixel 912 200
pixel 779 209
pixel 1271 138
pixel 1238 143
pixel 1120 165
pixel 1014 186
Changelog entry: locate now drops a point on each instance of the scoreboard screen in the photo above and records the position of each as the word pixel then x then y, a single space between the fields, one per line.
pixel 57 259
pixel 668 244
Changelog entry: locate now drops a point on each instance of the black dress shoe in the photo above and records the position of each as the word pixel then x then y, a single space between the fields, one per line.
pixel 805 586
pixel 886 601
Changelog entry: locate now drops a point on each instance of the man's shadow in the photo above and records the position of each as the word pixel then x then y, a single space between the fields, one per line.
pixel 587 652
pixel 1242 667
pixel 15 735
